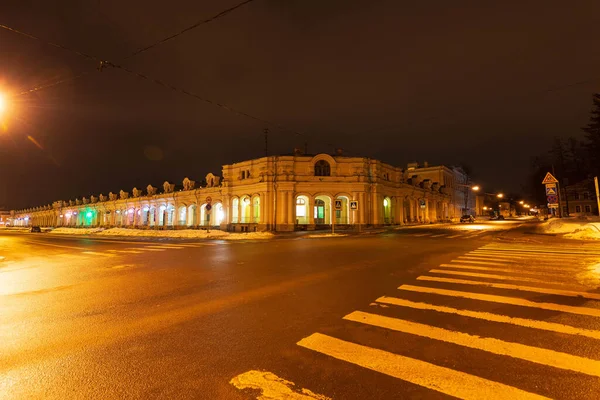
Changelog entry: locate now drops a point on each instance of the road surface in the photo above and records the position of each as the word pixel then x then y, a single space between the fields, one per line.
pixel 467 311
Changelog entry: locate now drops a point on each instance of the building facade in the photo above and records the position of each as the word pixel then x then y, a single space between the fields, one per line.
pixel 456 182
pixel 276 193
pixel 579 199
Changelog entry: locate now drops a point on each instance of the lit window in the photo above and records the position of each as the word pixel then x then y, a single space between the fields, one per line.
pixel 385 202
pixel 300 201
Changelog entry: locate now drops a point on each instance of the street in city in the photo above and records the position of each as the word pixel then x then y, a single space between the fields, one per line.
pixel 482 310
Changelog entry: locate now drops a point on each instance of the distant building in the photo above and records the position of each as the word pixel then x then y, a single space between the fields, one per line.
pixel 579 199
pixel 280 193
pixel 4 217
pixel 455 180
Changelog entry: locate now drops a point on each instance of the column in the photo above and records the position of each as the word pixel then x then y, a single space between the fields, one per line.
pixel 290 208
pixel 374 217
pixel 311 210
pixel 362 208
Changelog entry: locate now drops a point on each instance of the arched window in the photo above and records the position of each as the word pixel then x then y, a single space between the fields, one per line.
pixel 322 168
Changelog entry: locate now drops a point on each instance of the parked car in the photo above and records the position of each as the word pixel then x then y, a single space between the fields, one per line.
pixel 35 229
pixel 497 217
pixel 467 218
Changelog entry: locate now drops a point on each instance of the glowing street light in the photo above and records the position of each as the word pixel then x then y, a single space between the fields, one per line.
pixel 500 195
pixel 521 202
pixel 475 188
pixel 2 104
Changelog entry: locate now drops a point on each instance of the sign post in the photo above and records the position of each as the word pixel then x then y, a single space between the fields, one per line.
pixel 338 206
pixel 208 207
pixel 354 208
pixel 552 192
pixel 597 193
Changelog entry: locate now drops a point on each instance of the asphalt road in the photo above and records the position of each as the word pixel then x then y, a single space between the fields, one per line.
pixel 468 311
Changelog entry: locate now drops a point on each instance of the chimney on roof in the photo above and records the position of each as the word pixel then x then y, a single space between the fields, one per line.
pixel 298 152
pixel 339 151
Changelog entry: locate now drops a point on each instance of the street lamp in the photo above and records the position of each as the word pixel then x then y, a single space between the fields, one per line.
pixel 500 195
pixel 475 188
pixel 521 202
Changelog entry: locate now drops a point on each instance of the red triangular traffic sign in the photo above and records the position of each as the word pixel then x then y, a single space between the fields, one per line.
pixel 549 178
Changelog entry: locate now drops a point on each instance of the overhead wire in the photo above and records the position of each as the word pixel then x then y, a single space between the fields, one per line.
pixel 97 59
pixel 189 28
pixel 102 64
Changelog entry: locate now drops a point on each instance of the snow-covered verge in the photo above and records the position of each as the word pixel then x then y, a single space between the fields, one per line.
pixel 14 228
pixel 580 229
pixel 559 225
pixel 584 234
pixel 178 234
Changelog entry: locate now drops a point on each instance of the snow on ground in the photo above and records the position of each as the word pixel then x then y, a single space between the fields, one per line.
pixel 573 228
pixel 559 225
pixel 584 234
pixel 75 231
pixel 323 235
pixel 180 234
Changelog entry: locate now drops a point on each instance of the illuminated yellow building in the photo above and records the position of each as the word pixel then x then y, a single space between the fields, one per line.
pixel 281 193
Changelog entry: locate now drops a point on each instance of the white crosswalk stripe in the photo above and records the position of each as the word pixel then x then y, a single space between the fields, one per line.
pixel 479 271
pixel 441 379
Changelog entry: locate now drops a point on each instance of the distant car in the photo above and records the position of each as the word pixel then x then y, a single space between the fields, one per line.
pixel 467 218
pixel 497 217
pixel 35 229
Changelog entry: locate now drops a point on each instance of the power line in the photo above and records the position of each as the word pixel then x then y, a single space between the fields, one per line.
pixel 139 51
pixel 58 82
pixel 189 28
pixel 105 64
pixel 59 46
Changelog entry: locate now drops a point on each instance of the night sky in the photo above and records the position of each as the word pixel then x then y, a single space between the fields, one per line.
pixel 487 84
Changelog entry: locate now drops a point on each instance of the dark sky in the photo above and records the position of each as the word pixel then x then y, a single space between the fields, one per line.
pixel 446 82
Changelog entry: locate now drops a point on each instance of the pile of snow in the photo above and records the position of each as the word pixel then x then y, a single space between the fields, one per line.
pixel 326 235
pixel 584 234
pixel 75 231
pixel 560 225
pixel 179 234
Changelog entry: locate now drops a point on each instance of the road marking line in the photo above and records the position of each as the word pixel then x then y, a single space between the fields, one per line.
pixel 525 254
pixel 563 250
pixel 558 292
pixel 504 259
pixel 164 246
pixel 146 249
pixel 520 271
pixel 95 253
pixel 69 255
pixel 272 387
pixel 515 301
pixel 537 355
pixel 469 261
pixel 54 245
pixel 499 277
pixel 544 267
pixel 431 376
pixel 125 251
pixel 453 236
pixel 422 234
pixel 440 235
pixel 554 262
pixel 528 323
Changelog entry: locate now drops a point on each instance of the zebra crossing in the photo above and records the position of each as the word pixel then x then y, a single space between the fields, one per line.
pixel 452 234
pixel 479 305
